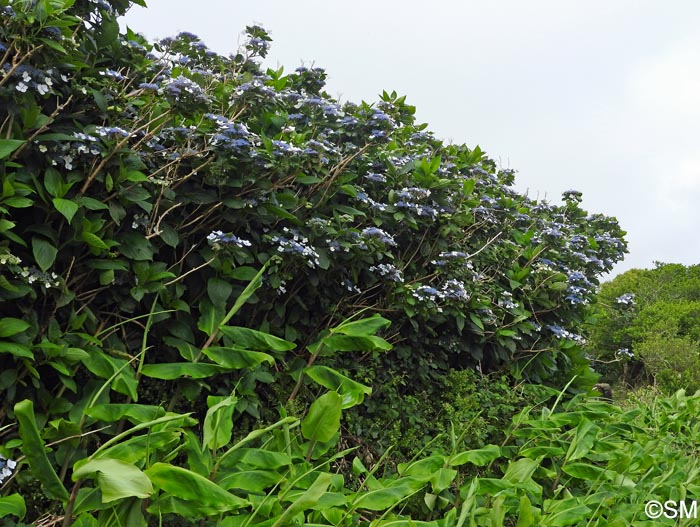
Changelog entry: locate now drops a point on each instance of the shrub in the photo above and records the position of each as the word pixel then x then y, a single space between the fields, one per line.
pixel 673 363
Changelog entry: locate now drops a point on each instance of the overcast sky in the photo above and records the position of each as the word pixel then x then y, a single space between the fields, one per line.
pixel 601 96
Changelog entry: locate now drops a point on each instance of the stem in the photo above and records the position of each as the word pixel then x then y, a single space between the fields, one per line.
pixel 68 518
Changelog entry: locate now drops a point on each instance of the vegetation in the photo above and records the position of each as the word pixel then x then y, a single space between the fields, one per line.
pixel 229 300
pixel 647 328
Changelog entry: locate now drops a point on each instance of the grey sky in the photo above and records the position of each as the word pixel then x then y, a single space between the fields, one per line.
pixel 602 96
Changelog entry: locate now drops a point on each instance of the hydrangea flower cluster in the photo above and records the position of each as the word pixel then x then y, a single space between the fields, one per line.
pixel 388 271
pixel 218 240
pixel 296 243
pixel 45 279
pixel 626 299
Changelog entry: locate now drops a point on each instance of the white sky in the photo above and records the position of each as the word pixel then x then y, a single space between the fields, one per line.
pixel 602 96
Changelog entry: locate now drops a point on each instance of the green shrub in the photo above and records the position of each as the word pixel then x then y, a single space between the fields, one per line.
pixel 673 363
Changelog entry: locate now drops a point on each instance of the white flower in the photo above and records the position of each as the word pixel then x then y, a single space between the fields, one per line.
pixel 43 149
pixel 21 87
pixel 43 89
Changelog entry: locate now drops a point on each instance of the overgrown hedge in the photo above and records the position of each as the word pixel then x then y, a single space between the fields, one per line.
pixel 186 232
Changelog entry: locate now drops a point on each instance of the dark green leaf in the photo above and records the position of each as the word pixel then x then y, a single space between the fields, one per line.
pixel 66 207
pixel 44 253
pixel 33 449
pixel 7 146
pixel 323 420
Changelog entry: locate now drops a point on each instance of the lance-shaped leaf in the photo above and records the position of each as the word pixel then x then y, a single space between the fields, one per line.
pixel 352 392
pixel 323 420
pixel 33 449
pixel 218 423
pixel 115 478
pixel 190 486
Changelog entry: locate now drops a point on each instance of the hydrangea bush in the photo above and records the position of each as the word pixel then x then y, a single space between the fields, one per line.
pixel 156 178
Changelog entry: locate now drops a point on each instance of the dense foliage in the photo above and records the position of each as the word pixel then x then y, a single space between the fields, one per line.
pixel 648 327
pixel 188 240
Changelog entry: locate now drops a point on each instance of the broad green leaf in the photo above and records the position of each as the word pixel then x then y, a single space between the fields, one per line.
pixel 323 420
pixel 12 505
pixel 362 328
pixel 521 470
pixel 85 520
pixel 250 480
pixel 123 379
pixel 253 286
pixel 353 392
pixel 7 146
pixel 115 478
pixel 479 457
pixel 44 253
pixel 18 350
pixel 33 449
pixel 11 326
pixel 93 240
pixel 388 497
pixel 66 207
pixel 566 512
pixel 218 423
pixel 526 515
pixel 53 182
pixel 187 485
pixel 584 471
pixel 135 246
pixel 137 449
pixel 251 339
pixel 135 413
pixel 236 359
pixel 176 370
pixel 307 500
pixel 219 290
pixel 333 343
pixel 258 458
pixel 586 433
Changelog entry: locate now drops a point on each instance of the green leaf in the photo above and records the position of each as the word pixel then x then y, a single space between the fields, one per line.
pixel 526 515
pixel 362 328
pixel 586 433
pixel 218 423
pixel 93 240
pixel 18 350
pixel 7 146
pixel 176 370
pixel 237 359
pixel 53 182
pixel 18 202
pixel 252 286
pixel 307 500
pixel 11 326
pixel 66 207
pixel 219 290
pixel 44 253
pixel 479 457
pixel 115 478
pixel 187 485
pixel 323 420
pixel 135 413
pixel 33 449
pixel 12 505
pixel 246 338
pixel 386 498
pixel 250 480
pixel 135 246
pixel 334 343
pixel 352 392
pixel 584 471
